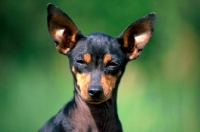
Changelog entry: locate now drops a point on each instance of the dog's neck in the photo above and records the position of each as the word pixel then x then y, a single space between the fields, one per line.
pixel 94 117
pixel 104 111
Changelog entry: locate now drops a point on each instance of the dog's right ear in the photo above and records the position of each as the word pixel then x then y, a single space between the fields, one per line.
pixel 62 29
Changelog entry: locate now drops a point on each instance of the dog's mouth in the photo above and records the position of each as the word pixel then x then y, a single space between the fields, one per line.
pixel 94 96
pixel 95 100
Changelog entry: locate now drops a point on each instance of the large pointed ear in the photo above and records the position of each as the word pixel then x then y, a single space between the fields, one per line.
pixel 62 29
pixel 137 35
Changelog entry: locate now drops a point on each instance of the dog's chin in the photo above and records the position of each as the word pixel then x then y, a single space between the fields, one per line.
pixel 94 101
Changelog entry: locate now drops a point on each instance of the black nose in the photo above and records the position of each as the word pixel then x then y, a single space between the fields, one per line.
pixel 95 91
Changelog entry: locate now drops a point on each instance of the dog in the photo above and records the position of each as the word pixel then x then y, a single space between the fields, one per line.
pixel 97 63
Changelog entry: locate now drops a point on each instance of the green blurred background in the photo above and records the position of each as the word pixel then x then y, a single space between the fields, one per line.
pixel 160 91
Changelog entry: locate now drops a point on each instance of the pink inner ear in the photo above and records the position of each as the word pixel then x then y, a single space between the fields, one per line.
pixel 58 35
pixel 142 39
pixel 61 43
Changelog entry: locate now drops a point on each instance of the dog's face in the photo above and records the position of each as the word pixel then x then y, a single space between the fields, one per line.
pixel 97 61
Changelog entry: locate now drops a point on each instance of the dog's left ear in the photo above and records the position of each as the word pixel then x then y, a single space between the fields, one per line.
pixel 137 35
pixel 62 29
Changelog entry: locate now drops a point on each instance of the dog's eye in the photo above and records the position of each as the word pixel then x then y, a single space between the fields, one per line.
pixel 112 64
pixel 80 61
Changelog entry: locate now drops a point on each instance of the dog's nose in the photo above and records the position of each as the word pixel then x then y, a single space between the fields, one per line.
pixel 95 91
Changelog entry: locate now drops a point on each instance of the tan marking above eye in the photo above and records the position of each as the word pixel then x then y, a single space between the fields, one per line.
pixel 107 58
pixel 87 58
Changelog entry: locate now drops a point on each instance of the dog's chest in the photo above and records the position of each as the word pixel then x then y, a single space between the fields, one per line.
pixel 91 122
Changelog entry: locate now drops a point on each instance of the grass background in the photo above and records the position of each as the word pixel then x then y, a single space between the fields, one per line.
pixel 160 91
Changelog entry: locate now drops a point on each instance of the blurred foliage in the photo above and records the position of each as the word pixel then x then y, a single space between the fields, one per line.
pixel 159 92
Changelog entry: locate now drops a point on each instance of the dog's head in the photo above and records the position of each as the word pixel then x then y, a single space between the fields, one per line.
pixel 97 61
